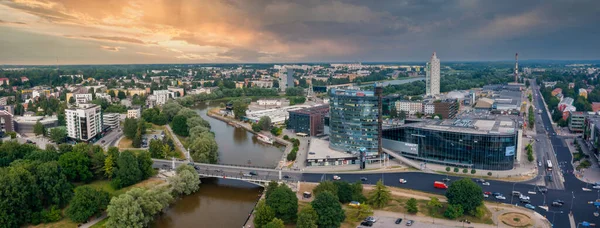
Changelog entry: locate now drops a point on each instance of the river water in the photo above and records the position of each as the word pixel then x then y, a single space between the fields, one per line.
pixel 220 202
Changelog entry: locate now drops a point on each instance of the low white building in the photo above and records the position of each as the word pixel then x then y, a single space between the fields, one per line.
pixel 262 84
pixel 201 91
pixel 134 113
pixel 82 98
pixel 269 102
pixel 104 96
pixel 410 107
pixel 84 122
pixel 162 96
pixel 429 108
pixel 111 120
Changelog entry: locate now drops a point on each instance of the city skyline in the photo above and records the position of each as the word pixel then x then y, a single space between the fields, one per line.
pixel 66 32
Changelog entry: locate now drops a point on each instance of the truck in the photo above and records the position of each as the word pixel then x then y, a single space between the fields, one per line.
pixel 440 185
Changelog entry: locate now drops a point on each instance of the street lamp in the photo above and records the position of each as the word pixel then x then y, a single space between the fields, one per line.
pixel 554 215
pixel 571 211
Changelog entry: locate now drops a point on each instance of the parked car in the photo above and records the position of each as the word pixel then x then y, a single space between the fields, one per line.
pixel 530 206
pixel 485 196
pixel 542 189
pixel 363 179
pixel 371 219
pixel 354 204
pixel 556 204
pixel 516 193
pixel 336 177
pixel 524 197
pixel 487 193
pixel 497 194
pixel 410 222
pixel 540 164
pixel 560 202
pixel 102 141
pixel 525 201
pixel 366 223
pixel 486 183
pixel 402 181
pixel 398 221
pixel 500 197
pixel 286 177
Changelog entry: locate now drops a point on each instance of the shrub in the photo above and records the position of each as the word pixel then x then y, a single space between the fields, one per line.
pixel 448 169
pixel 456 169
pixel 465 171
pixel 285 137
pixel 473 171
pixel 490 174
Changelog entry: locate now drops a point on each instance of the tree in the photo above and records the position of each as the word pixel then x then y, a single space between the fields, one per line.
pixel 38 128
pixel 276 223
pixel 87 202
pixel 344 191
pixel 466 193
pixel 112 93
pixel 256 127
pixel 453 211
pixel 473 171
pixel 284 203
pixel 155 148
pixel 489 174
pixel 71 100
pixel 145 164
pixel 204 148
pixel 170 109
pixel 456 169
pixel 357 192
pixel 360 212
pixel 265 123
pixel 239 109
pixel 75 166
pixel 127 172
pixel 196 120
pixel 270 188
pixel 402 115
pixel 263 215
pixel 393 112
pixel 130 127
pixel 325 186
pixel 465 170
pixel 411 206
pixel 137 207
pixel 136 142
pixel 179 125
pixel 448 169
pixel 434 204
pixel 380 196
pixel 110 162
pixel 160 119
pixel 149 114
pixel 53 185
pixel 188 182
pixel 121 95
pixel 58 134
pixel 307 218
pixel 329 210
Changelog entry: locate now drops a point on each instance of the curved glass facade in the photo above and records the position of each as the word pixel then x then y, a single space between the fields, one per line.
pixel 494 151
pixel 354 121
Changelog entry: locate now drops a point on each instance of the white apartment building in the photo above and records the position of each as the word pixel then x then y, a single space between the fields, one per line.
pixel 111 120
pixel 432 76
pixel 262 84
pixel 162 96
pixel 201 90
pixel 82 98
pixel 84 122
pixel 429 108
pixel 104 96
pixel 268 102
pixel 134 113
pixel 410 107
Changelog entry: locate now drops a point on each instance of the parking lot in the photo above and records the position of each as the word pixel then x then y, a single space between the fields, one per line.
pixel 389 222
pixel 156 134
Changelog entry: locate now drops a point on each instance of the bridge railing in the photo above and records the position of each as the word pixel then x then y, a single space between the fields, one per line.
pixel 244 166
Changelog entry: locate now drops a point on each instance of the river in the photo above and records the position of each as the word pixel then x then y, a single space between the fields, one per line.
pixel 220 202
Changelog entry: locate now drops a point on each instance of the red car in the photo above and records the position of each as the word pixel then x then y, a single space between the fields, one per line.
pixel 487 193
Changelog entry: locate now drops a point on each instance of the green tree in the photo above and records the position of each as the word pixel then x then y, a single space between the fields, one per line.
pixel 137 207
pixel 179 125
pixel 121 95
pixel 75 166
pixel 393 112
pixel 87 202
pixel 155 148
pixel 58 134
pixel 204 148
pixel 276 223
pixel 18 194
pixel 284 203
pixel 325 186
pixel 160 119
pixel 465 170
pixel 149 114
pixel 265 123
pixel 307 218
pixel 434 204
pixel 466 193
pixel 110 162
pixel 456 169
pixel 357 192
pixel 380 196
pixel 453 211
pixel 170 109
pixel 361 212
pixel 188 182
pixel 38 128
pixel 329 210
pixel 344 191
pixel 402 115
pixel 473 171
pixel 197 121
pixel 239 109
pixel 411 206
pixel 53 185
pixel 263 215
pixel 256 127
pixel 145 164
pixel 112 93
pixel 270 188
pixel 71 100
pixel 127 172
pixel 130 127
pixel 448 169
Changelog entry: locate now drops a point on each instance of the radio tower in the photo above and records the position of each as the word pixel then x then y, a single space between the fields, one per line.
pixel 517 68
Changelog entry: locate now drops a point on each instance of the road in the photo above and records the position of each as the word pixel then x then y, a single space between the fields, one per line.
pixel 110 139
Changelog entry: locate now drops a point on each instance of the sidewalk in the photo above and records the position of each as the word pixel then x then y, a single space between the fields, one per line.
pixel 590 175
pixel 177 142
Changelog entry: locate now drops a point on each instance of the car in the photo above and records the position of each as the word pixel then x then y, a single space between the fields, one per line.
pixel 530 206
pixel 480 180
pixel 219 170
pixel 371 219
pixel 486 183
pixel 525 201
pixel 402 181
pixel 286 177
pixel 465 221
pixel 410 222
pixel 524 197
pixel 487 193
pixel 363 179
pixel 354 204
pixel 366 223
pixel 557 204
pixel 500 197
pixel 102 141
pixel 485 196
pixel 594 187
pixel 542 189
pixel 336 177
pixel 497 194
pixel 560 202
pixel 537 140
pixel 516 193
pixel 311 153
pixel 253 173
pixel 398 221
pixel 540 164
pixel 446 179
pixel 246 175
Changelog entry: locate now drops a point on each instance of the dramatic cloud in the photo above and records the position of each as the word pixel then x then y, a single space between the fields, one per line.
pixel 173 31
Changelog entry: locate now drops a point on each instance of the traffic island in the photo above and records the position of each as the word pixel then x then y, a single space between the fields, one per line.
pixel 516 219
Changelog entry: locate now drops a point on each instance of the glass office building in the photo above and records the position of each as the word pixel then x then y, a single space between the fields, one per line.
pixel 454 146
pixel 355 121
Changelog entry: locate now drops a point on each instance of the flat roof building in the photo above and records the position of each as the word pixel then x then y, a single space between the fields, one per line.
pixel 310 121
pixel 84 122
pixel 24 124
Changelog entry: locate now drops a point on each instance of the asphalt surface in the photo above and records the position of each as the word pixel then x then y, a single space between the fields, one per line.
pixel 110 138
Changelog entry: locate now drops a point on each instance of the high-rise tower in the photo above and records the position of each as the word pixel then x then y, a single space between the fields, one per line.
pixel 516 67
pixel 432 77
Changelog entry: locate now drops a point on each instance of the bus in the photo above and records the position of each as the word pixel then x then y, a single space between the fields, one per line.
pixel 549 165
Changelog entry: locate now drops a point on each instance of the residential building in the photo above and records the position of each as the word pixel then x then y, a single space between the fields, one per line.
pixel 83 98
pixel 556 91
pixel 162 96
pixel 432 77
pixel 596 107
pixel 577 121
pixel 409 107
pixel 567 101
pixel 151 101
pixel 550 84
pixel 134 113
pixel 583 92
pixel 6 122
pixel 111 120
pixel 6 100
pixel 289 78
pixel 239 85
pixel 136 91
pixel 458 143
pixel 355 121
pixel 428 108
pixel 387 103
pixel 446 108
pixel 310 121
pixel 176 90
pixel 269 102
pixel 4 81
pixel 104 96
pixel 262 84
pixel 205 90
pixel 84 122
pixel 24 124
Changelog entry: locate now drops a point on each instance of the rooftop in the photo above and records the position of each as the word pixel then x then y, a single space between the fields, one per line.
pixel 321 150
pixel 490 124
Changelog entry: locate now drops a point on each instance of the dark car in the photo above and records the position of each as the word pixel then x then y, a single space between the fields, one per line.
pixel 398 221
pixel 525 201
pixel 543 190
pixel 366 223
pixel 363 179
pixel 253 173
pixel 102 141
pixel 286 177
pixel 497 194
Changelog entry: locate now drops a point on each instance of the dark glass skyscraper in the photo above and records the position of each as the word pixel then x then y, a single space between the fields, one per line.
pixel 355 121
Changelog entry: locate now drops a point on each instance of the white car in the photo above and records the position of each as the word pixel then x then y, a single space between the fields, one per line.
pixel 596 187
pixel 500 197
pixel 486 183
pixel 336 177
pixel 485 196
pixel 402 181
pixel 524 197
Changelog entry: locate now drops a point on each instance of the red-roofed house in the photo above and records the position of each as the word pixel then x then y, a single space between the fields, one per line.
pixel 596 106
pixel 4 81
pixel 556 91
pixel 24 79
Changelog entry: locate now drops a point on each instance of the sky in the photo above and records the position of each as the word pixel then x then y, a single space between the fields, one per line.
pixel 266 31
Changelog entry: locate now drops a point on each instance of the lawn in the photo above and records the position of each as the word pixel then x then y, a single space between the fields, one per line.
pixel 125 143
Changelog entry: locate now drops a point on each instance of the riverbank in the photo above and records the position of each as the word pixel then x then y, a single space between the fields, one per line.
pixel 214 113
